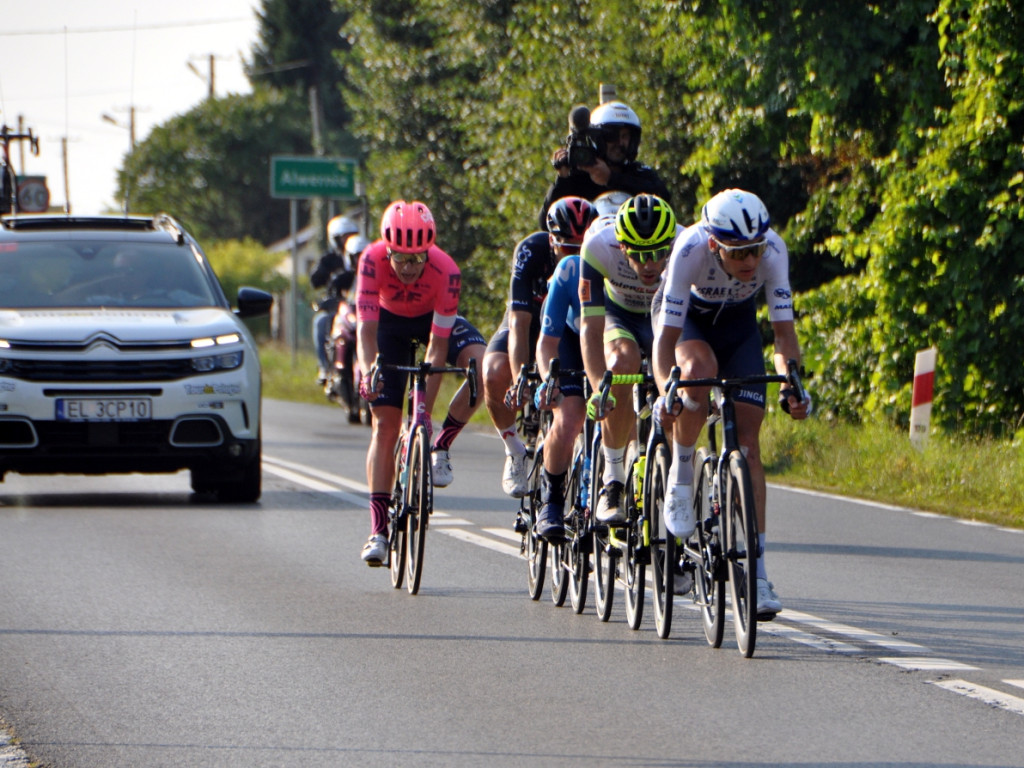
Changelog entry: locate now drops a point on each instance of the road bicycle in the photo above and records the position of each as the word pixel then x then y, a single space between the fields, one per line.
pixel 412 500
pixel 531 423
pixel 627 543
pixel 724 546
pixel 580 489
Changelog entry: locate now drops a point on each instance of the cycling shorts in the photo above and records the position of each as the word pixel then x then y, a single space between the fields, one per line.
pixel 395 338
pixel 620 323
pixel 732 332
pixel 570 358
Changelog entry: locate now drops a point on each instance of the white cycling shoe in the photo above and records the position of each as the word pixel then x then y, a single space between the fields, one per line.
pixel 768 603
pixel 679 518
pixel 375 550
pixel 515 481
pixel 441 468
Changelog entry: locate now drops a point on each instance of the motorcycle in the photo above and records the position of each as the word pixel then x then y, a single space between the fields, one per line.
pixel 342 384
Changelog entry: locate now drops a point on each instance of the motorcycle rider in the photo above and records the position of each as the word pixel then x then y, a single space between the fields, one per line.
pixel 334 261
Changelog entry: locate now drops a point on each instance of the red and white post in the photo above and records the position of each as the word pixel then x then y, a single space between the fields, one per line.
pixel 921 410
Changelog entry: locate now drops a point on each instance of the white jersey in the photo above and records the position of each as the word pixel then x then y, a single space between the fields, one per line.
pixel 622 286
pixel 694 272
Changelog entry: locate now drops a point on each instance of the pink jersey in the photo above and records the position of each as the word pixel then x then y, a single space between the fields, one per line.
pixel 436 290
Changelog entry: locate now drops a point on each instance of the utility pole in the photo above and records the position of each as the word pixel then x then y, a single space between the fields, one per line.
pixel 211 78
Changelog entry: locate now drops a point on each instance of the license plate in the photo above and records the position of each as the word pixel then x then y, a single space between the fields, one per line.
pixel 104 409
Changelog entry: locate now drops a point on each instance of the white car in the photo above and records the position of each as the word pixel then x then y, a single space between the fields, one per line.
pixel 119 352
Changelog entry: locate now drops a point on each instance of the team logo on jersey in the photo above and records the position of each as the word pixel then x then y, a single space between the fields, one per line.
pixel 584 291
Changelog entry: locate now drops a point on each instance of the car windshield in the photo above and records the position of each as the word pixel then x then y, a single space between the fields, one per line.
pixel 103 274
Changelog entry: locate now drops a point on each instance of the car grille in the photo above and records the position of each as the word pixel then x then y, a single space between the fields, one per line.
pixel 99 370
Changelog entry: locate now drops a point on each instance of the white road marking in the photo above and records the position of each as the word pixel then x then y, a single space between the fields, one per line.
pixel 925 664
pixel 988 696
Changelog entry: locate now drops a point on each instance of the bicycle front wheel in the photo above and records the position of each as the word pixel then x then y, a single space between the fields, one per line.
pixel 636 553
pixel 576 550
pixel 396 539
pixel 419 502
pixel 709 574
pixel 536 548
pixel 663 547
pixel 741 549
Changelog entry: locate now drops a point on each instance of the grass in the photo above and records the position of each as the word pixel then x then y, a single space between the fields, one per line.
pixel 975 479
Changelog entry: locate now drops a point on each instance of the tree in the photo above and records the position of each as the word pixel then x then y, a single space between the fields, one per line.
pixel 210 167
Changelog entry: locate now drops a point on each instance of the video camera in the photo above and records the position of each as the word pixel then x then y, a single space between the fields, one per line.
pixel 581 146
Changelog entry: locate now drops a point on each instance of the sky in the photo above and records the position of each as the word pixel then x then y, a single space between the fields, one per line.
pixel 66 63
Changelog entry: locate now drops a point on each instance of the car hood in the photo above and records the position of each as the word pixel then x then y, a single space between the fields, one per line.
pixel 78 325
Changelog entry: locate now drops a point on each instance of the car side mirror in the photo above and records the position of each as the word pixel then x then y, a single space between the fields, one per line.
pixel 252 302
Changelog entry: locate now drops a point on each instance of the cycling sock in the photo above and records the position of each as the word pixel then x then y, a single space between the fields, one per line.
pixel 614 465
pixel 553 487
pixel 379 513
pixel 514 445
pixel 762 572
pixel 449 431
pixel 681 470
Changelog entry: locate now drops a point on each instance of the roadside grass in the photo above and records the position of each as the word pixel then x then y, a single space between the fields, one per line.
pixel 973 479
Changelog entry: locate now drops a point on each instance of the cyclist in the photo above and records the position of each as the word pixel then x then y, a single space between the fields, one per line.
pixel 623 258
pixel 512 345
pixel 333 265
pixel 707 325
pixel 408 291
pixel 560 338
pixel 618 130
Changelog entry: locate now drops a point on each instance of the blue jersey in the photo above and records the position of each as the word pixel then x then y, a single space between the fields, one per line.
pixel 562 305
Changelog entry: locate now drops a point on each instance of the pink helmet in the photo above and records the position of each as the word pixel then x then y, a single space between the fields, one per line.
pixel 408 227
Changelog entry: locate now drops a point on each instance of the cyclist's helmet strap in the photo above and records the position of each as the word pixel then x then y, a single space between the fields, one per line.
pixel 735 215
pixel 408 227
pixel 645 222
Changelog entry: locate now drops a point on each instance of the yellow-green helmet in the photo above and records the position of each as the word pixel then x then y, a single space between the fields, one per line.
pixel 645 223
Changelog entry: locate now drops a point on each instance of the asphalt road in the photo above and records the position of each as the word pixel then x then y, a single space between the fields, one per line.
pixel 140 626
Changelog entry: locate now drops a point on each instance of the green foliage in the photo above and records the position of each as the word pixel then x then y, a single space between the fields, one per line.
pixel 245 262
pixel 210 167
pixel 887 140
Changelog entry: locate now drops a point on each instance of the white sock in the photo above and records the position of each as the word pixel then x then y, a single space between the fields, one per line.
pixel 514 445
pixel 681 470
pixel 614 465
pixel 762 573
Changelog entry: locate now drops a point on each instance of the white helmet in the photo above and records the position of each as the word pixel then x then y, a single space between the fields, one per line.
pixel 737 215
pixel 355 246
pixel 613 115
pixel 339 228
pixel 608 203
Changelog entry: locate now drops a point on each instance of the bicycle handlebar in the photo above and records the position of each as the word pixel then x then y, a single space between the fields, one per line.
pixel 424 369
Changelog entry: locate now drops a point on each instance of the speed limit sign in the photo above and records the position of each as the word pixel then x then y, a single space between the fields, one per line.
pixel 33 195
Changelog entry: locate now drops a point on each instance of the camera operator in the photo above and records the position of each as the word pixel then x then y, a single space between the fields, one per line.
pixel 600 156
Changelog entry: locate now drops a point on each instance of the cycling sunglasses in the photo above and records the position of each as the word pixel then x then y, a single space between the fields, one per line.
pixel 407 258
pixel 657 254
pixel 740 252
pixel 567 246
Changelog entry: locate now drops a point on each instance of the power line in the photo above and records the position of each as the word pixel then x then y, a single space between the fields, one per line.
pixel 98 30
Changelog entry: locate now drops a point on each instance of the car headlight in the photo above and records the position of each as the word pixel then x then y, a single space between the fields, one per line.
pixel 221 361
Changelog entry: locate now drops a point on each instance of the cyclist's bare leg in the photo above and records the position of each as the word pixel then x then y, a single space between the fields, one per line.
pixel 380 458
pixel 696 361
pixel 748 430
pixel 566 424
pixel 459 408
pixel 497 378
pixel 623 357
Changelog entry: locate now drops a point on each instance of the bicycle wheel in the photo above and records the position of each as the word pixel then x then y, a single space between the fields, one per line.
pixel 536 548
pixel 663 546
pixel 559 574
pixel 636 552
pixel 575 557
pixel 709 574
pixel 741 539
pixel 396 538
pixel 419 495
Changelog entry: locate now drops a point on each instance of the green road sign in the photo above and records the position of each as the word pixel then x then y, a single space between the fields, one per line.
pixel 304 177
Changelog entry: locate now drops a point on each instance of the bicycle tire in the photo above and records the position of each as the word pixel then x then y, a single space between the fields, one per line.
pixel 634 564
pixel 663 547
pixel 419 503
pixel 396 537
pixel 536 548
pixel 559 574
pixel 741 538
pixel 709 573
pixel 574 553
